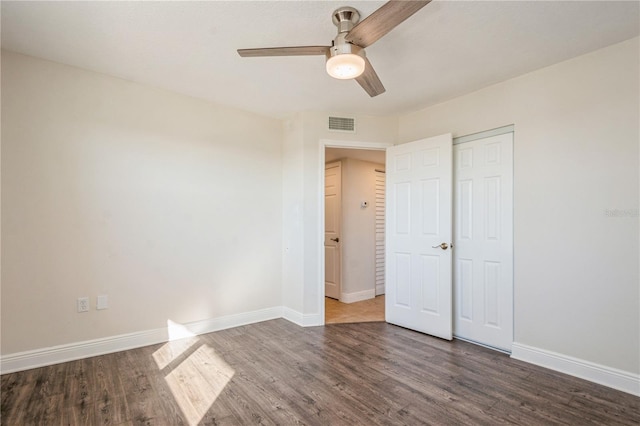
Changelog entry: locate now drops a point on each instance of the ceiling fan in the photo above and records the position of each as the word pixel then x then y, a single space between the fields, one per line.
pixel 346 58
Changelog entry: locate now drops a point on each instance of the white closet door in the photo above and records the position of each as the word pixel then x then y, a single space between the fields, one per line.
pixel 483 246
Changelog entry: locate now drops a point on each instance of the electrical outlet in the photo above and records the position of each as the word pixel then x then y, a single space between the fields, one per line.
pixel 83 304
pixel 102 302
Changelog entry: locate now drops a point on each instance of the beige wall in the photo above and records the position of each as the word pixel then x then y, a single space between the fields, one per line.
pixel 370 155
pixel 293 225
pixel 169 205
pixel 577 290
pixel 358 227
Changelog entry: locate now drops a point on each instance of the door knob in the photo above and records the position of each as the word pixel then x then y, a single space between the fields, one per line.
pixel 337 239
pixel 443 246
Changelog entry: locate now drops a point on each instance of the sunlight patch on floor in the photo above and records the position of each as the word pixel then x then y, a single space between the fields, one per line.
pixel 180 340
pixel 196 381
pixel 172 351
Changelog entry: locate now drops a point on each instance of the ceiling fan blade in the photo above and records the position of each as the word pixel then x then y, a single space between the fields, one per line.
pixel 284 51
pixel 383 20
pixel 369 80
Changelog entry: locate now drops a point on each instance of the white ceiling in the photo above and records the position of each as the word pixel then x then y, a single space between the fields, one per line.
pixel 447 49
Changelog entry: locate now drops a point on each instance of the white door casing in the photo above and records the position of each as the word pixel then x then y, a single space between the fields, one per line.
pixel 483 264
pixel 419 219
pixel 332 229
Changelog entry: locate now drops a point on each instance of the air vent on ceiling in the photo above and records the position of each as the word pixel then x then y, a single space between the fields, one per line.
pixel 342 124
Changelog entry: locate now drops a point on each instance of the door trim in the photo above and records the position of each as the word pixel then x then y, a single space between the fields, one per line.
pixel 485 134
pixel 333 143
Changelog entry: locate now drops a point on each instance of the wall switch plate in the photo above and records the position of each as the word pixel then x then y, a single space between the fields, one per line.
pixel 103 302
pixel 83 304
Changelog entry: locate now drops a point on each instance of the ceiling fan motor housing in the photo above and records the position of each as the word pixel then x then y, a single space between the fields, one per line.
pixel 345 18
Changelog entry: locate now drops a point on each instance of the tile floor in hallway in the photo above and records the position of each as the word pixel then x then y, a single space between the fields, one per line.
pixel 336 312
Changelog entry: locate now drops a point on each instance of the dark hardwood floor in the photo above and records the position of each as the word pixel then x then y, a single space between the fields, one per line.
pixel 278 373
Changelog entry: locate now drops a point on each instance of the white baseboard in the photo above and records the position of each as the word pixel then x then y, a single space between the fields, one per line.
pixel 73 351
pixel 380 289
pixel 292 316
pixel 309 320
pixel 607 376
pixel 312 320
pixel 357 296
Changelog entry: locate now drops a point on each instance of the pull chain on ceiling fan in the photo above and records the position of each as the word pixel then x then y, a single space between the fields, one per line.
pixel 346 58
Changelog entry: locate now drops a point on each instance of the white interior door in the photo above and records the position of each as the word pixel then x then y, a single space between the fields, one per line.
pixel 483 272
pixel 332 228
pixel 419 232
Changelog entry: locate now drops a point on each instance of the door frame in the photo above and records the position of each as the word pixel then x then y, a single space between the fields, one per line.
pixel 333 143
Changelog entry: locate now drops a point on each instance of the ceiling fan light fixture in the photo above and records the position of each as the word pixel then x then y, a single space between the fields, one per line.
pixel 346 58
pixel 345 66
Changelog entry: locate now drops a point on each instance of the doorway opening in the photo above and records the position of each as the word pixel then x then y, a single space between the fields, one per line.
pixel 354 207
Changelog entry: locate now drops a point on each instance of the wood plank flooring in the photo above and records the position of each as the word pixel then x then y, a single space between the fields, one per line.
pixel 336 312
pixel 278 373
